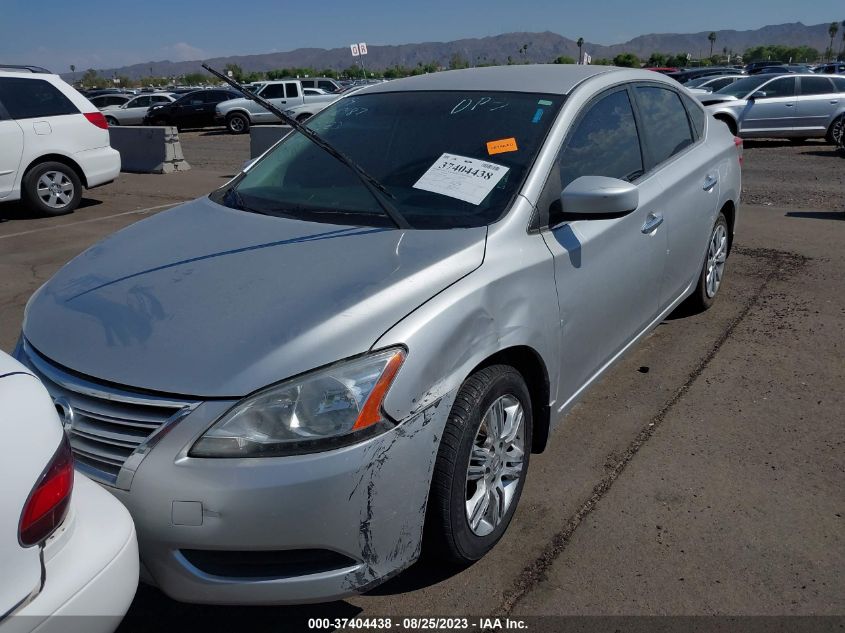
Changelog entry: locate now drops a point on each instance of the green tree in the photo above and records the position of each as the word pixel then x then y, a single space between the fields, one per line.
pixel 564 59
pixel 457 61
pixel 832 30
pixel 658 60
pixel 602 61
pixel 580 44
pixel 626 60
pixel 712 39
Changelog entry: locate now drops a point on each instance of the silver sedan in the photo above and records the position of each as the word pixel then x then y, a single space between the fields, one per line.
pixel 368 332
pixel 796 106
pixel 133 111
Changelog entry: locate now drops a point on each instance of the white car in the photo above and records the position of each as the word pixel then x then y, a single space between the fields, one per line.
pixel 133 111
pixel 53 142
pixel 706 85
pixel 67 547
pixel 239 114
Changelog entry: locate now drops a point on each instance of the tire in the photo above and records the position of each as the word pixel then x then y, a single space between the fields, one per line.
pixel 237 123
pixel 51 189
pixel 112 121
pixel 836 133
pixel 707 288
pixel 469 469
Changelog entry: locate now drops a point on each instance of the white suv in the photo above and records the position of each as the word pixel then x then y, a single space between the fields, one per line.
pixel 53 142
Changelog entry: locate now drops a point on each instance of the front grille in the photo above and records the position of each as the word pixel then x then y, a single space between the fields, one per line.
pixel 110 429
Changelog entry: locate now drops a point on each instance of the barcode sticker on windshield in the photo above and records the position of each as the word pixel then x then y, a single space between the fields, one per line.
pixel 467 179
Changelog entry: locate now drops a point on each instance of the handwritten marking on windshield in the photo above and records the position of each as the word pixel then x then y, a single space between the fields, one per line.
pixel 482 102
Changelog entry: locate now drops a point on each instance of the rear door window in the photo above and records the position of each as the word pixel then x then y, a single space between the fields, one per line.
pixel 696 115
pixel 816 86
pixel 292 90
pixel 666 127
pixel 33 98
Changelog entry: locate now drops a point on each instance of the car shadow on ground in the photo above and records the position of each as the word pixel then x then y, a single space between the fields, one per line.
pixel 17 211
pixel 215 132
pixel 783 142
pixel 817 215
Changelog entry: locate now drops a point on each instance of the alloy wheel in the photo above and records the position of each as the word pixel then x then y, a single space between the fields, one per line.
pixel 55 189
pixel 717 253
pixel 495 465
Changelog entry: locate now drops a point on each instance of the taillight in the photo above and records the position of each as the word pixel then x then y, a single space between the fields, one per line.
pixel 739 148
pixel 97 118
pixel 49 501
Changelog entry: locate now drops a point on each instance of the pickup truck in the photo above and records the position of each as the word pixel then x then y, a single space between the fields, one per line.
pixel 239 114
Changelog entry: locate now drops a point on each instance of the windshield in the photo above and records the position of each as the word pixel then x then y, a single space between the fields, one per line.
pixel 448 159
pixel 695 83
pixel 743 87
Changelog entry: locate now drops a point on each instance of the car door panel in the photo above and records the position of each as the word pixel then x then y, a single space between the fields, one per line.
pixel 764 115
pixel 608 271
pixel 11 150
pixel 817 103
pixel 608 275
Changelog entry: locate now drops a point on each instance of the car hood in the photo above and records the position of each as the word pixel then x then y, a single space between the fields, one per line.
pixel 203 300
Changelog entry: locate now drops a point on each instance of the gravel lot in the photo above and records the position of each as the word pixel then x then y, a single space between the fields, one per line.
pixel 702 476
pixel 809 175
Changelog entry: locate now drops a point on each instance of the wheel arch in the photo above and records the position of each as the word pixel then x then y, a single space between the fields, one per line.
pixel 528 362
pixel 57 158
pixel 728 120
pixel 729 211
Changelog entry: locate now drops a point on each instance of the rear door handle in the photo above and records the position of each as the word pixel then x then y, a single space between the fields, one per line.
pixel 710 182
pixel 652 222
pixel 789 105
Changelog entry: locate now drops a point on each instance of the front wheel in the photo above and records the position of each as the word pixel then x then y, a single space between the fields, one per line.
pixel 481 464
pixel 713 270
pixel 836 135
pixel 112 121
pixel 237 123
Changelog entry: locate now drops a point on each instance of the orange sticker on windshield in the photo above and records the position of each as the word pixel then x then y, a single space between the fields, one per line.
pixel 501 146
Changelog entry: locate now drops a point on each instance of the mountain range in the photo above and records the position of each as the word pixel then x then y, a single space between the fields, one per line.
pixel 527 47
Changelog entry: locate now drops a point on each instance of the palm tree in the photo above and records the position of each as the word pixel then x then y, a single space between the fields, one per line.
pixel 832 30
pixel 712 38
pixel 580 44
pixel 72 70
pixel 842 49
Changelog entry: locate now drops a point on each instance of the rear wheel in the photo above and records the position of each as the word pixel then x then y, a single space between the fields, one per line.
pixel 237 123
pixel 481 464
pixel 713 270
pixel 836 133
pixel 112 121
pixel 51 189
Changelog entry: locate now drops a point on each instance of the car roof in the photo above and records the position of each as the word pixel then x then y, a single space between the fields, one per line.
pixel 537 78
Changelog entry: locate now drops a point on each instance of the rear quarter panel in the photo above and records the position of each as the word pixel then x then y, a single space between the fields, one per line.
pixel 31 427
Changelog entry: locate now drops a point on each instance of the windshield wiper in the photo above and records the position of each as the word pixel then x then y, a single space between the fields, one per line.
pixel 378 190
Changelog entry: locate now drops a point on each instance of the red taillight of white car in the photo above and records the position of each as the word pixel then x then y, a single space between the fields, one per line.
pixel 739 148
pixel 97 118
pixel 49 501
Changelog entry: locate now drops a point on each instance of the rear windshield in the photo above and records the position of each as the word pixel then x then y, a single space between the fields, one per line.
pixel 448 159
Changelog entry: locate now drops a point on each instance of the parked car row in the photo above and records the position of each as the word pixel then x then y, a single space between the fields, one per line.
pixel 795 106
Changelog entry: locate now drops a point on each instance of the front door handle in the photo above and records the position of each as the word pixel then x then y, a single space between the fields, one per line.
pixel 710 182
pixel 652 222
pixel 789 105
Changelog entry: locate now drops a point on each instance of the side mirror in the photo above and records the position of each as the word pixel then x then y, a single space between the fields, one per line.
pixel 598 197
pixel 757 95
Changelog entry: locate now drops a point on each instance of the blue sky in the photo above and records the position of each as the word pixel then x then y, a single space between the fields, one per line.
pixel 103 34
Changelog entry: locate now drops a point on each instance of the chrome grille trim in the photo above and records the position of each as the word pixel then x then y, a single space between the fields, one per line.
pixel 111 430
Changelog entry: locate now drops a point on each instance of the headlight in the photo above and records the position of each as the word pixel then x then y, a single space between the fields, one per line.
pixel 327 408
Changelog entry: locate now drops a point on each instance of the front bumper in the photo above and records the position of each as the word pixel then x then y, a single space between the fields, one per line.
pixel 365 502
